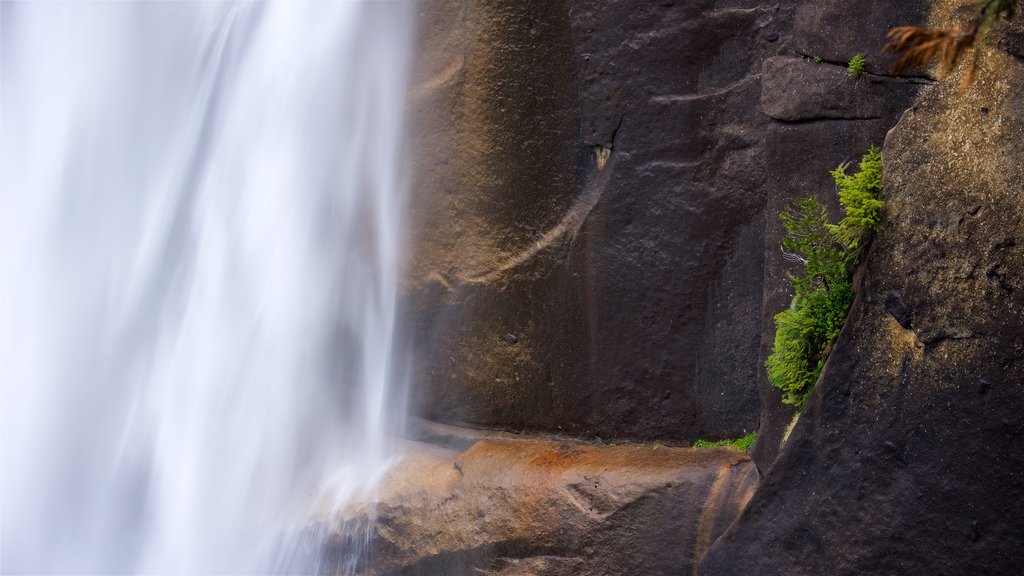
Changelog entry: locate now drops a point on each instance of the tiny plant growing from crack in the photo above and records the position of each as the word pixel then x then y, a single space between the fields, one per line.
pixel 857 66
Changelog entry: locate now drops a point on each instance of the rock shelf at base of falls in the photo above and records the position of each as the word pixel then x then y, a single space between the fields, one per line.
pixel 510 504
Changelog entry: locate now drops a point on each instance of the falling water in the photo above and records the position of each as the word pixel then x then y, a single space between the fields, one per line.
pixel 199 249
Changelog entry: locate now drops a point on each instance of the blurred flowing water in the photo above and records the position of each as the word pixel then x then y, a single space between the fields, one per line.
pixel 200 242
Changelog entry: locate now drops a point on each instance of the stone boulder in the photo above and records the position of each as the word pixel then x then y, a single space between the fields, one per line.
pixel 509 505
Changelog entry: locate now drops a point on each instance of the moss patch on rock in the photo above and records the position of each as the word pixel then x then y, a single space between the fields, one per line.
pixel 742 443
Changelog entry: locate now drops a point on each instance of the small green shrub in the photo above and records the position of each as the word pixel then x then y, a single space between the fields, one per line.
pixel 857 66
pixel 802 337
pixel 809 241
pixel 859 197
pixel 793 366
pixel 817 59
pixel 742 444
pixel 804 333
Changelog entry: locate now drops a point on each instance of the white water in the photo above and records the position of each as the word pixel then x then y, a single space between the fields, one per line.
pixel 199 249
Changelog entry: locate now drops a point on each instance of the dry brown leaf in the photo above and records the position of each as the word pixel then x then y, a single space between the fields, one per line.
pixel 922 47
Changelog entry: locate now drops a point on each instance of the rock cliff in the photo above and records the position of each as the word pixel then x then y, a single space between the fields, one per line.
pixel 596 184
pixel 908 458
pixel 596 253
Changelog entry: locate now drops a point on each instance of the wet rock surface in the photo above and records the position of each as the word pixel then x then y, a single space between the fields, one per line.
pixel 596 187
pixel 517 505
pixel 908 458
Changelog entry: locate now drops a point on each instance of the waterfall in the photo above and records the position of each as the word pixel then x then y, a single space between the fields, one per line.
pixel 200 244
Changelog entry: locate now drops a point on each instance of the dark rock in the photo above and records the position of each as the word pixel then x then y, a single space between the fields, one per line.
pixel 998 277
pixel 1004 244
pixel 537 565
pixel 837 30
pixel 975 532
pixel 801 90
pixel 603 217
pixel 834 503
pixel 898 309
pixel 1012 43
pixel 511 339
pixel 598 179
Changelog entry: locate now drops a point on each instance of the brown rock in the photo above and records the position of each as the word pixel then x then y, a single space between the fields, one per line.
pixel 534 506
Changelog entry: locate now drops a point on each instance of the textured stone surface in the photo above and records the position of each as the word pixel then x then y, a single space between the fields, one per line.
pixel 908 459
pixel 518 506
pixel 595 191
pixel 836 30
pixel 1013 43
pixel 801 90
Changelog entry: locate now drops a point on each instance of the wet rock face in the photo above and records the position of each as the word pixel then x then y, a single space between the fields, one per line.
pixel 521 506
pixel 908 459
pixel 596 184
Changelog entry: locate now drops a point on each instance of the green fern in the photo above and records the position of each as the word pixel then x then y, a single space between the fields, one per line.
pixel 792 367
pixel 805 332
pixel 859 196
pixel 803 335
pixel 809 241
pixel 857 66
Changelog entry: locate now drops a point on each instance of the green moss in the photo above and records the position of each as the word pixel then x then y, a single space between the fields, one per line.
pixel 817 59
pixel 857 66
pixel 742 444
pixel 804 333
